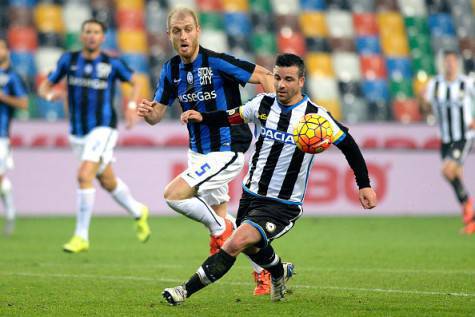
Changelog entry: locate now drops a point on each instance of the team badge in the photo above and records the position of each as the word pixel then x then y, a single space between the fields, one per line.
pixel 270 227
pixel 88 69
pixel 189 78
pixel 103 70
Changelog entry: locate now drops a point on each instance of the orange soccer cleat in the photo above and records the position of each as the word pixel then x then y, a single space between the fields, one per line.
pixel 262 283
pixel 216 242
pixel 469 228
pixel 468 213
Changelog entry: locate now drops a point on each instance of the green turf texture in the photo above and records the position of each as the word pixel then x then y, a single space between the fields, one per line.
pixel 361 266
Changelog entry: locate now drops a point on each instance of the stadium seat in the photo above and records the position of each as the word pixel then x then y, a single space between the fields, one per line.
pixel 313 24
pixel 354 109
pixel 373 67
pixel 387 5
pixel 421 43
pixel 319 65
pixel 209 5
pixel 50 111
pixel 239 44
pixel 399 68
pixel 316 44
pixel 339 5
pixel 469 65
pixel 22 38
pixel 288 21
pixel 375 90
pixel 74 14
pixel 237 24
pixel 211 20
pixel 322 88
pixel 263 43
pixel 332 106
pixel 395 45
pixel 22 3
pixel 416 25
pixel 390 23
pixel 138 62
pixel 379 110
pixel 263 22
pixel 342 44
pixel 441 24
pixel 339 23
pixel 406 110
pixel 145 90
pixel 362 5
pixel 368 45
pixel 413 7
pixel 365 24
pixel 350 88
pixel 20 16
pixel 401 89
pixel 132 41
pixel 214 40
pixel 110 42
pixel 235 5
pixel 467 46
pixel 465 25
pixel 423 63
pixel 313 5
pixel 260 6
pixel 51 39
pixel 347 66
pixel 156 18
pixel 437 6
pixel 46 59
pixel 130 4
pixel 72 41
pixel 291 42
pixel 49 18
pixel 441 43
pixel 281 7
pixel 24 63
pixel 128 19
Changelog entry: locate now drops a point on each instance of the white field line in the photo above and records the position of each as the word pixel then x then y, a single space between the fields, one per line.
pixel 155 280
pixel 299 268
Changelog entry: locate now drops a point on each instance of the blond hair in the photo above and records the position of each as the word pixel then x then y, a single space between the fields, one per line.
pixel 182 11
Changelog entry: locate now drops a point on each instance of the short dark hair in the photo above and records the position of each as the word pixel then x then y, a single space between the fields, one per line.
pixel 448 52
pixel 95 21
pixel 287 60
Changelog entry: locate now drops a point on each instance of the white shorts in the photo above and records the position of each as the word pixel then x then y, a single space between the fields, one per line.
pixel 210 174
pixel 96 146
pixel 6 159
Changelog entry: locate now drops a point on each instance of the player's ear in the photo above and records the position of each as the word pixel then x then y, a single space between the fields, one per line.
pixel 301 81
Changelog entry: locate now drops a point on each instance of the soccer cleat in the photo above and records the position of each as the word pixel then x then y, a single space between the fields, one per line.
pixel 175 296
pixel 216 242
pixel 278 287
pixel 142 227
pixel 468 212
pixel 9 227
pixel 469 228
pixel 76 245
pixel 262 283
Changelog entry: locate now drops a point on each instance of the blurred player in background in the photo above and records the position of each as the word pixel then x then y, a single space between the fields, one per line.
pixel 452 96
pixel 91 76
pixel 205 80
pixel 275 185
pixel 13 96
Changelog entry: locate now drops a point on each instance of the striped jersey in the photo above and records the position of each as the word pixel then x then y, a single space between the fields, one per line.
pixel 452 104
pixel 91 88
pixel 211 82
pixel 11 85
pixel 277 169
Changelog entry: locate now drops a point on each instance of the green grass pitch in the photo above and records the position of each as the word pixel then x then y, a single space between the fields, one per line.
pixel 355 266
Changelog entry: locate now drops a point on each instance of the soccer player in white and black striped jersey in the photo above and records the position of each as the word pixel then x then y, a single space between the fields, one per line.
pixel 275 185
pixel 452 96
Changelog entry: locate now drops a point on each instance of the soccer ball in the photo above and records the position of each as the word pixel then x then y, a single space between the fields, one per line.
pixel 313 134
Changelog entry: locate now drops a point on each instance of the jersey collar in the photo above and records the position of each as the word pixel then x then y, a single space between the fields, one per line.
pixel 286 109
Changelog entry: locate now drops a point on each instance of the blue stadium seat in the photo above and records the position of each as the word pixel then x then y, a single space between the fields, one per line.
pixel 399 68
pixel 110 42
pixel 313 5
pixel 368 45
pixel 441 24
pixel 50 111
pixel 22 3
pixel 138 62
pixel 237 24
pixel 24 63
pixel 376 90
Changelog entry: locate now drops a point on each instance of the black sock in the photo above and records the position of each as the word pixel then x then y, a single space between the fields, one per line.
pixel 210 271
pixel 459 189
pixel 267 259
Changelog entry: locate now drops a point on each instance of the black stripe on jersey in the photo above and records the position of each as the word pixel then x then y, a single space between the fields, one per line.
pixel 437 103
pixel 84 102
pixel 461 116
pixel 273 158
pixel 100 96
pixel 295 165
pixel 210 105
pixel 73 103
pixel 218 172
pixel 195 126
pixel 264 109
pixel 449 113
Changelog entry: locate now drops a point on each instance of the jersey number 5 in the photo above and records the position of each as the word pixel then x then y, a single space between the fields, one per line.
pixel 203 170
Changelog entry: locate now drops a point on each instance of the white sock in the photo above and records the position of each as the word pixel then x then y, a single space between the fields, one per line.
pixel 85 203
pixel 6 194
pixel 123 197
pixel 255 266
pixel 197 209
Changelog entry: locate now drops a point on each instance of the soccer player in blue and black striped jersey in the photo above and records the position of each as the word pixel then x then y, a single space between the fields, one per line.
pixel 91 76
pixel 13 96
pixel 205 81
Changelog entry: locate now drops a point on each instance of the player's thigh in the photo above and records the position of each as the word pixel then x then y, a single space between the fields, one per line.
pixel 6 159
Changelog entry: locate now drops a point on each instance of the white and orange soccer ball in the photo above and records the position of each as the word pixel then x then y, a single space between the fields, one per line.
pixel 313 133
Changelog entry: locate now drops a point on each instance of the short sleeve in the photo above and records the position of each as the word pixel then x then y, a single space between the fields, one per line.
pixel 240 70
pixel 165 94
pixel 18 87
pixel 61 69
pixel 249 111
pixel 338 129
pixel 429 93
pixel 123 71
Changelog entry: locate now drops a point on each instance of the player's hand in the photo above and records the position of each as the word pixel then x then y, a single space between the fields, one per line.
pixel 367 198
pixel 191 115
pixel 145 108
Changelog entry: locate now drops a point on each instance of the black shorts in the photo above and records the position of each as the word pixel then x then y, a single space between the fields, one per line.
pixel 272 218
pixel 456 151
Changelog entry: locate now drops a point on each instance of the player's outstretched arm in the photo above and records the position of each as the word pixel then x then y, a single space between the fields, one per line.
pixel 219 118
pixel 264 77
pixel 12 101
pixel 151 111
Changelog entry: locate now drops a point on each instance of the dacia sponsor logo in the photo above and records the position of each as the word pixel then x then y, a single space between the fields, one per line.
pixel 197 96
pixel 278 136
pixel 87 82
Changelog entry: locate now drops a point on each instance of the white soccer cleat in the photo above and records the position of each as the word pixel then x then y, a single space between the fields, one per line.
pixel 278 288
pixel 175 295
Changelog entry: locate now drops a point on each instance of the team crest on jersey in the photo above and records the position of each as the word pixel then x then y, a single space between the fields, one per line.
pixel 3 79
pixel 103 70
pixel 262 116
pixel 189 78
pixel 270 227
pixel 276 135
pixel 88 69
pixel 205 74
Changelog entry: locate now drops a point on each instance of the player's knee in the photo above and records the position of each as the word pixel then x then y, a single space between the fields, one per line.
pixel 237 243
pixel 448 172
pixel 84 177
pixel 108 183
pixel 173 192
